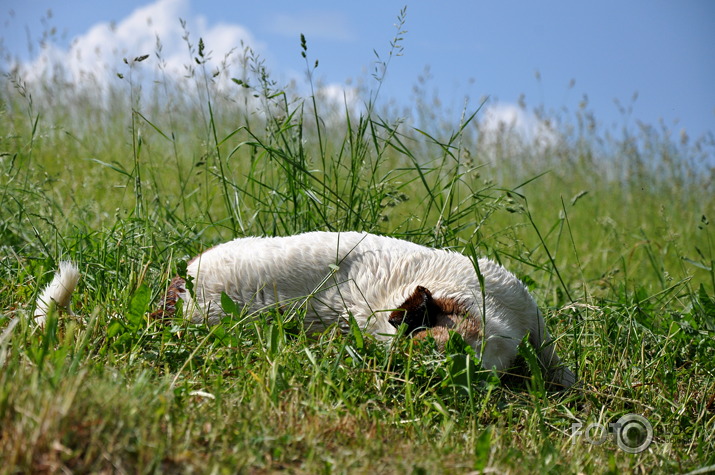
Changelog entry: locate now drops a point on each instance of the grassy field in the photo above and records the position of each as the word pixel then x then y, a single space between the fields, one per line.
pixel 610 229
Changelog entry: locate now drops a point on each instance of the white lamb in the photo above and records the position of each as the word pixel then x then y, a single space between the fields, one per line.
pixel 382 282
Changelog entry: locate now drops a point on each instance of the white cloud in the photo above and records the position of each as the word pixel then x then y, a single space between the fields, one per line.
pixel 504 122
pixel 98 54
pixel 339 100
pixel 340 94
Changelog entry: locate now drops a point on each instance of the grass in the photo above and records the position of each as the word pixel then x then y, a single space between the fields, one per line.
pixel 610 230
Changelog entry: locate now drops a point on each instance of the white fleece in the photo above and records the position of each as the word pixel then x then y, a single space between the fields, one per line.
pixel 334 275
pixel 337 274
pixel 57 292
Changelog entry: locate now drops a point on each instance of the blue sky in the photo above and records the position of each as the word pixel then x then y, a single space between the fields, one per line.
pixel 662 50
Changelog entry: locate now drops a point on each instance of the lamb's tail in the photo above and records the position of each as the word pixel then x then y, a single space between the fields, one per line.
pixel 58 292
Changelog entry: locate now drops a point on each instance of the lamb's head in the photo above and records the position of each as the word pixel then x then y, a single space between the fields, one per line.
pixel 428 316
pixel 437 317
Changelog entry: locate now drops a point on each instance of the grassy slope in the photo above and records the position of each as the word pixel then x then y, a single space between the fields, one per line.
pixel 621 272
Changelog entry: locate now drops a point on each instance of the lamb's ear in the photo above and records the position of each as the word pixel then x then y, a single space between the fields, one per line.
pixel 419 310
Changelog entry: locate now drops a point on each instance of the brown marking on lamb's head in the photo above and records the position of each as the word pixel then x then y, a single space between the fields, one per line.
pixel 419 310
pixel 435 317
pixel 167 305
pixel 440 335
